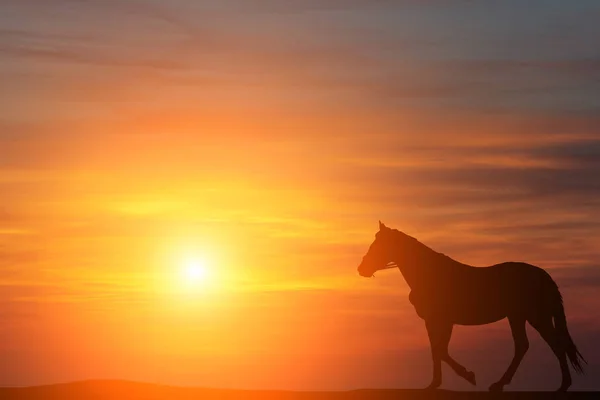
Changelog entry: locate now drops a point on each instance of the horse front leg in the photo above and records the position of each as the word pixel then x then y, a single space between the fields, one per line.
pixel 461 371
pixel 439 339
pixel 439 335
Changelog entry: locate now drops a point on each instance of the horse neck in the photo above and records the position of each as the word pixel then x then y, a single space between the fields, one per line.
pixel 421 267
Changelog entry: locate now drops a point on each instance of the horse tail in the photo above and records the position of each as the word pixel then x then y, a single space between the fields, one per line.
pixel 560 323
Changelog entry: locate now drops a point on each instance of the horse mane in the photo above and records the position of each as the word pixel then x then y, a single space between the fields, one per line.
pixel 428 251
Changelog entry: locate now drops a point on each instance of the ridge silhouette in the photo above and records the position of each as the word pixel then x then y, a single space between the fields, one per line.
pixel 445 292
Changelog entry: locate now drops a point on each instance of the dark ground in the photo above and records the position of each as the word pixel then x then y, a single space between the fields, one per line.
pixel 95 390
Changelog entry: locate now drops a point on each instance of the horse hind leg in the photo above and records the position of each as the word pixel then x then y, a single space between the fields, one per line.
pixel 519 334
pixel 548 332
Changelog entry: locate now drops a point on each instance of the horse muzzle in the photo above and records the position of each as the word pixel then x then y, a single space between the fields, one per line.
pixel 365 274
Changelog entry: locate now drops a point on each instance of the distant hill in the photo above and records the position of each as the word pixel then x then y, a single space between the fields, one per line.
pixel 100 390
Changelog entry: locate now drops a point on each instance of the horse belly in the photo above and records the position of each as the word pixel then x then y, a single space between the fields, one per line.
pixel 468 307
pixel 477 316
pixel 477 307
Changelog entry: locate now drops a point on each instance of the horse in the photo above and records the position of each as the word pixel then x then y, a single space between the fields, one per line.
pixel 445 292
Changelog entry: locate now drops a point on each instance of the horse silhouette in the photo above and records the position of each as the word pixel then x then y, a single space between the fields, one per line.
pixel 446 292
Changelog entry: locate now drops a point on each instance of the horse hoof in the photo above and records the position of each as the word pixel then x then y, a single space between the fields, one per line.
pixel 470 376
pixel 433 385
pixel 496 387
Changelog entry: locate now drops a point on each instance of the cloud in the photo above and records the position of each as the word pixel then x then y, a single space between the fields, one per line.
pixel 394 65
pixel 577 277
pixel 15 258
pixel 92 57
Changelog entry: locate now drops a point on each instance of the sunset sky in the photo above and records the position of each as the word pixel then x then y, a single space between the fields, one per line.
pixel 264 139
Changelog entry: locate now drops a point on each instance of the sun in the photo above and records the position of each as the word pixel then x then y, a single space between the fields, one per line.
pixel 196 271
pixel 192 271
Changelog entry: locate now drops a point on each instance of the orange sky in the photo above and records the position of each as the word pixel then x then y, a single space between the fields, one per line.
pixel 133 137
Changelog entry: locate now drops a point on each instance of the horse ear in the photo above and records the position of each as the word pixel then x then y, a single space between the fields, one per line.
pixel 381 226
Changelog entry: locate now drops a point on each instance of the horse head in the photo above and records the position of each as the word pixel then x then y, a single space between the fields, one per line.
pixel 382 252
